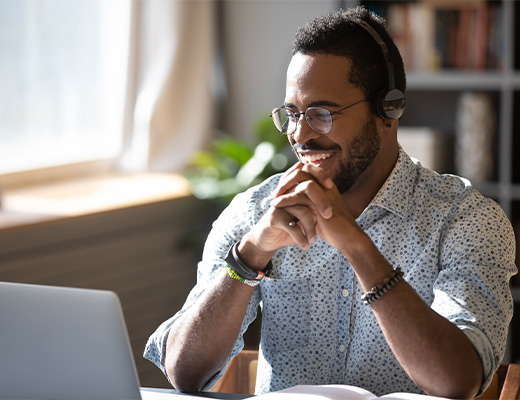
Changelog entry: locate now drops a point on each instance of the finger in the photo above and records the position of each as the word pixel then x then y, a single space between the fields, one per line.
pixel 317 196
pixel 307 193
pixel 300 173
pixel 292 199
pixel 295 166
pixel 290 179
pixel 300 224
pixel 306 221
pixel 319 175
pixel 293 222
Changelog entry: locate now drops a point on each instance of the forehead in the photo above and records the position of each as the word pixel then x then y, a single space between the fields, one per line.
pixel 312 77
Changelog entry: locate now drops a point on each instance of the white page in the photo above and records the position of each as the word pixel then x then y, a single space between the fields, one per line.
pixel 304 392
pixel 336 392
pixel 319 392
pixel 158 395
pixel 411 396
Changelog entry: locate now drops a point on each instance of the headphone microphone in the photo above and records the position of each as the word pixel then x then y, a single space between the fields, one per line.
pixel 389 101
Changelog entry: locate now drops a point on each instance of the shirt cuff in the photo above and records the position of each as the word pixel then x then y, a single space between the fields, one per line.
pixel 155 349
pixel 485 352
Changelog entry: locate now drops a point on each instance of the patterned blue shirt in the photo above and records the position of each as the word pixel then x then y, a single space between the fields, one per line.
pixel 456 249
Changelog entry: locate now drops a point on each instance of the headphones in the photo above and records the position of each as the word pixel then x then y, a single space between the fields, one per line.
pixel 390 101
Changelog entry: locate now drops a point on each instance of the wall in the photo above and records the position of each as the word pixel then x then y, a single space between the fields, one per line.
pixel 258 37
pixel 147 254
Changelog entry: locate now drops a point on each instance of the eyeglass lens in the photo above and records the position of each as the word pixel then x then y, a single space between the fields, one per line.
pixel 319 119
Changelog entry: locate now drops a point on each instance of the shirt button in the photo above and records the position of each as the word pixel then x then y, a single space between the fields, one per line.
pixel 341 348
pixel 345 292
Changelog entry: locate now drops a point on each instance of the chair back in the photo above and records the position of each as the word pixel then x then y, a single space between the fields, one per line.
pixel 240 376
pixel 505 384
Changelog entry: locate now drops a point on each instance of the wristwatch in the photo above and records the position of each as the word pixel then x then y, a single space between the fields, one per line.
pixel 242 270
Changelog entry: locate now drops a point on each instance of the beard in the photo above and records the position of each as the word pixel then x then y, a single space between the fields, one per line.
pixel 364 148
pixel 361 152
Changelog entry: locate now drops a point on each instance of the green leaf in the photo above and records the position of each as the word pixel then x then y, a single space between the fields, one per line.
pixel 232 166
pixel 267 132
pixel 234 149
pixel 204 159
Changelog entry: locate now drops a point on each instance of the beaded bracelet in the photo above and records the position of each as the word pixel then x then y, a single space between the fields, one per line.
pixel 250 282
pixel 377 291
pixel 241 269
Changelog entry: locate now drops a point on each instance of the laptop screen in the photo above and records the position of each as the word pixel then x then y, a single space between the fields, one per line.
pixel 64 343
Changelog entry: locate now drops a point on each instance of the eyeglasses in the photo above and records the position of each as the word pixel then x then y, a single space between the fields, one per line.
pixel 318 118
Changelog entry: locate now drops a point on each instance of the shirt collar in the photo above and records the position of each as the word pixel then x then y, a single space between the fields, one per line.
pixel 396 193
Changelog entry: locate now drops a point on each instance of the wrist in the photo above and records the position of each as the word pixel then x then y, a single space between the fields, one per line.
pixel 253 257
pixel 369 265
pixel 356 244
pixel 239 270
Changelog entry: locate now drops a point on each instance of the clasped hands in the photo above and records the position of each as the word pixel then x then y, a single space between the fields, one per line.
pixel 307 195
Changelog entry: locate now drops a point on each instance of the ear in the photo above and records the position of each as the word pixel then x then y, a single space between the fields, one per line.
pixel 383 125
pixel 388 128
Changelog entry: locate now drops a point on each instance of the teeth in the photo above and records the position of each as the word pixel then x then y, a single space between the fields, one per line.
pixel 310 158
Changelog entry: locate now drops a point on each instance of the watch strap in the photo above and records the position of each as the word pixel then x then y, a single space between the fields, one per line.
pixel 239 267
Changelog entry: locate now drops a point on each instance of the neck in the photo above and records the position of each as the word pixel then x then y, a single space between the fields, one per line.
pixel 359 196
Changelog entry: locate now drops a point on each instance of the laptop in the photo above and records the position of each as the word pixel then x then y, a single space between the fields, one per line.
pixel 64 343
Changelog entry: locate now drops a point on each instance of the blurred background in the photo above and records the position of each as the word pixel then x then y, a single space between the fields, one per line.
pixel 127 125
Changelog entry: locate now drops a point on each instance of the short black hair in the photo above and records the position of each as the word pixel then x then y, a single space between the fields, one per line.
pixel 335 33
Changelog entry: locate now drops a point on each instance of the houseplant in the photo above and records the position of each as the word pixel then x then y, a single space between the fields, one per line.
pixel 231 166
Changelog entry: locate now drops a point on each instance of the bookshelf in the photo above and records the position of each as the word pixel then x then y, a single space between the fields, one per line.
pixel 436 82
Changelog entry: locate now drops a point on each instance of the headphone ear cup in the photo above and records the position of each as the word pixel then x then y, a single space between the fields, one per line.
pixel 390 104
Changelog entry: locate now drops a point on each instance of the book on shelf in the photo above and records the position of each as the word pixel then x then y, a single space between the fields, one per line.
pixel 458 35
pixel 432 148
pixel 475 132
pixel 336 392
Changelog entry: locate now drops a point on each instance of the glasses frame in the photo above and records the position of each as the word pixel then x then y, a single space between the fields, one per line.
pixel 297 116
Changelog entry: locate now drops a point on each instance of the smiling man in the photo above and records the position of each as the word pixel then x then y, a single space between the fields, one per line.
pixel 370 269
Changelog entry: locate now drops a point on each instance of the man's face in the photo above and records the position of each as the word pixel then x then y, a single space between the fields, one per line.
pixel 321 80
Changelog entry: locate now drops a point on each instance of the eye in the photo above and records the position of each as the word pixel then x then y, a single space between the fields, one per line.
pixel 291 115
pixel 322 114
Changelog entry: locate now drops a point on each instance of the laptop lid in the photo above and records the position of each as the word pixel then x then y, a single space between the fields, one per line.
pixel 64 343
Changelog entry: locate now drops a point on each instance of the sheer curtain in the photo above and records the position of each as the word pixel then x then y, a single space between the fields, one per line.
pixel 169 110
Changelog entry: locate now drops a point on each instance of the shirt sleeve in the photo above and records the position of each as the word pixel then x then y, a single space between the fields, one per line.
pixel 472 289
pixel 230 227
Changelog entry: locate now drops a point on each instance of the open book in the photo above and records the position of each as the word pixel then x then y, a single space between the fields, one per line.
pixel 336 392
pixel 303 392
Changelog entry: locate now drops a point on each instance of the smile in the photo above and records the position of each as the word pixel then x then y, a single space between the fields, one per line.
pixel 314 158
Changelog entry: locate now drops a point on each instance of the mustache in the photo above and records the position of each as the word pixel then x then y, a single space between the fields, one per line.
pixel 313 146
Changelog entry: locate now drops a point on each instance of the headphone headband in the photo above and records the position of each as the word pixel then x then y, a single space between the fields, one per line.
pixel 390 102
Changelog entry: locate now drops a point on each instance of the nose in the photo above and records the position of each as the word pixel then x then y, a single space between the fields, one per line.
pixel 303 132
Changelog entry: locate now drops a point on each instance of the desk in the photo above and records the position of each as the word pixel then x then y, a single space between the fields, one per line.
pixel 172 394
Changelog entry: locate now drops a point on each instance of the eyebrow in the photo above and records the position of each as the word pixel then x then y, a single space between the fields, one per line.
pixel 318 103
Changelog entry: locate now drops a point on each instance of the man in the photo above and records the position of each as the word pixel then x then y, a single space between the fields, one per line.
pixel 380 273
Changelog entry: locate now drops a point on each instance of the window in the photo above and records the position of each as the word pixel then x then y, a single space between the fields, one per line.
pixel 62 81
